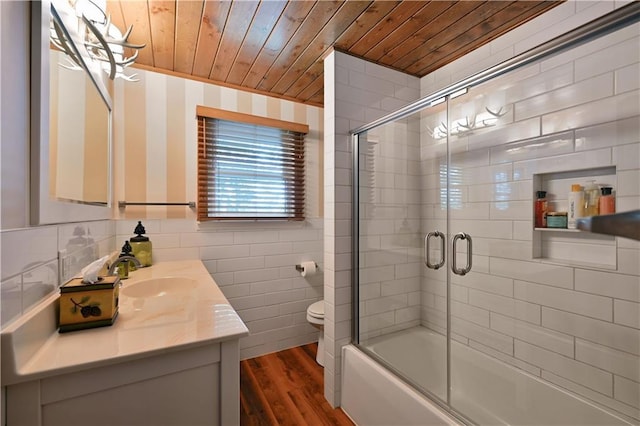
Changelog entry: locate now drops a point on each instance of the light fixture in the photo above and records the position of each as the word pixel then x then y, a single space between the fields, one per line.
pixel 82 30
pixel 487 118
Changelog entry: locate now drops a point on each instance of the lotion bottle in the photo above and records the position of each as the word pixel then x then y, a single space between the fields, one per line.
pixel 576 206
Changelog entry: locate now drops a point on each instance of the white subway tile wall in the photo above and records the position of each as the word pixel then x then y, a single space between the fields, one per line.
pixel 36 261
pixel 357 92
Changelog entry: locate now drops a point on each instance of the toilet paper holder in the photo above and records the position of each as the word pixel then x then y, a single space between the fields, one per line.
pixel 299 267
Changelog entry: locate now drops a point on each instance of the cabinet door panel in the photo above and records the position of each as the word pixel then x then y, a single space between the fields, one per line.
pixel 182 398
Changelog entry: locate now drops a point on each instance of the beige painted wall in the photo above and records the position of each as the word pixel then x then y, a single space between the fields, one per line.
pixel 155 140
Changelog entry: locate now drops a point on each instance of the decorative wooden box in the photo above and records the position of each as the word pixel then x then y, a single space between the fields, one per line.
pixel 88 305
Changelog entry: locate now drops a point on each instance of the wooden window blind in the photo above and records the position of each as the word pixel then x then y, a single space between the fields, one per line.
pixel 249 171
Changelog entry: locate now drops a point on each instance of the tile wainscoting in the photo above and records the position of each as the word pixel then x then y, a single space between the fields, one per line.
pixel 36 261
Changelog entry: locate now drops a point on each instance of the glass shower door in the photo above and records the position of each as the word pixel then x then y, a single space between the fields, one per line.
pixel 461 293
pixel 402 305
pixel 529 341
pixel 485 204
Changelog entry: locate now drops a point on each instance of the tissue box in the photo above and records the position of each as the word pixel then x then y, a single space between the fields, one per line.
pixel 88 305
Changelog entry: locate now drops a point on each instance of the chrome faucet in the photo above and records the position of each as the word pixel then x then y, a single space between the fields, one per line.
pixel 123 259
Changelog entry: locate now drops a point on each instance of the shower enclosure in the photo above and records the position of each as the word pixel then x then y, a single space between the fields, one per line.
pixel 456 292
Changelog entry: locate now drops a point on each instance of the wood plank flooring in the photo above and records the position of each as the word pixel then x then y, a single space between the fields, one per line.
pixel 286 388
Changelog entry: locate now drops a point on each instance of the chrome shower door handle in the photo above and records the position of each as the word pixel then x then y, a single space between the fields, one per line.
pixel 426 250
pixel 454 267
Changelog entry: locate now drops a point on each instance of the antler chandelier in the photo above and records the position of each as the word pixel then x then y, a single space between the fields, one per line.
pixel 83 30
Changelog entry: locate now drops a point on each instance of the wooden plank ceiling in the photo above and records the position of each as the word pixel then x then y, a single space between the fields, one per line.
pixel 277 47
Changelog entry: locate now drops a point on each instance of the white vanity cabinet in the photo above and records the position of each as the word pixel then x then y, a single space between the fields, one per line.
pixel 172 357
pixel 198 386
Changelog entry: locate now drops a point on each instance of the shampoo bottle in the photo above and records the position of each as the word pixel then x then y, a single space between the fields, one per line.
pixel 591 199
pixel 576 206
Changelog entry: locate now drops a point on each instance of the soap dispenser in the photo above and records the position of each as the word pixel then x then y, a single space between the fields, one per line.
pixel 125 267
pixel 141 246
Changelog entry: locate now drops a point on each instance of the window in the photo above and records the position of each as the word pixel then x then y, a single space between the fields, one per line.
pixel 249 168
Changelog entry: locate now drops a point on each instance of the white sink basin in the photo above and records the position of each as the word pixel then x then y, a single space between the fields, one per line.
pixel 158 287
pixel 172 304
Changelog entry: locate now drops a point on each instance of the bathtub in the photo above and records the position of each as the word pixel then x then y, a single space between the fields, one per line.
pixel 484 389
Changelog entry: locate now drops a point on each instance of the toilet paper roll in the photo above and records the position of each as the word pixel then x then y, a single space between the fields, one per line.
pixel 308 269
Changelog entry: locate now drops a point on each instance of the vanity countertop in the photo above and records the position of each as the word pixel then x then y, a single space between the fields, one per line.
pixel 32 348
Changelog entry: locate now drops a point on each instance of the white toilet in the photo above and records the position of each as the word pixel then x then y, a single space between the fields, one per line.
pixel 315 316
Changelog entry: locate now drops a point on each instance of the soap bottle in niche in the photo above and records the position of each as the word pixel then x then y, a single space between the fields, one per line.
pixel 576 206
pixel 591 199
pixel 607 200
pixel 541 209
pixel 141 246
pixel 125 267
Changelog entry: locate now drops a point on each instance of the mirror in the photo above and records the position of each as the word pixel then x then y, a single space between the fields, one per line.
pixel 71 128
pixel 78 136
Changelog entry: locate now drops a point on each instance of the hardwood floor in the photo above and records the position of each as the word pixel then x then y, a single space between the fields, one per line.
pixel 286 388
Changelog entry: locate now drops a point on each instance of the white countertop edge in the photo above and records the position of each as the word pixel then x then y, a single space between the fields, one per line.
pixel 25 376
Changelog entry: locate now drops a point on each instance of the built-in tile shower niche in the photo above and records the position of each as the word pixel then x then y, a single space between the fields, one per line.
pixel 458 292
pixel 569 246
